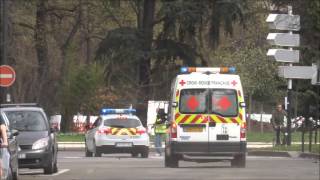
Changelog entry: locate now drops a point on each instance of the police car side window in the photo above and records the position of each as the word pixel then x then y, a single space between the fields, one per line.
pixel 193 101
pixel 224 102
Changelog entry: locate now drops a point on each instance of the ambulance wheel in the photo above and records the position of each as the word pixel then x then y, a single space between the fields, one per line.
pixel 239 161
pixel 134 154
pixel 171 162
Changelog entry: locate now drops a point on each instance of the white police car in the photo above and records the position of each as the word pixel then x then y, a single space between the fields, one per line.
pixel 117 131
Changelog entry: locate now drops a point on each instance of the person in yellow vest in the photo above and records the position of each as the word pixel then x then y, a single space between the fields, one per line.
pixel 160 129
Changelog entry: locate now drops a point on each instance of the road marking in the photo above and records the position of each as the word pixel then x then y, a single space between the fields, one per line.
pixel 73 157
pixel 39 172
pixel 60 172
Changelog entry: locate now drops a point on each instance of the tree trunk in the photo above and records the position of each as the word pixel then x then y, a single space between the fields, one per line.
pixel 145 63
pixel 41 45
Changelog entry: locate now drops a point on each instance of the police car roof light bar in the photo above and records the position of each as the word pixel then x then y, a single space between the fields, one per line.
pixel 105 111
pixel 223 70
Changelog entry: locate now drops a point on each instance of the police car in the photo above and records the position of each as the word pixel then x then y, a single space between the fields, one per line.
pixel 117 131
pixel 207 117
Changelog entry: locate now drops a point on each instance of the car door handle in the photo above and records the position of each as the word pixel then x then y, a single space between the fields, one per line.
pixel 212 124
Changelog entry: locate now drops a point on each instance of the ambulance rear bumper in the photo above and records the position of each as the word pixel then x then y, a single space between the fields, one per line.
pixel 208 149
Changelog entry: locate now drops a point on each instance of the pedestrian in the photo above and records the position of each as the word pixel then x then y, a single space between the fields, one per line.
pixel 160 130
pixel 3 141
pixel 277 121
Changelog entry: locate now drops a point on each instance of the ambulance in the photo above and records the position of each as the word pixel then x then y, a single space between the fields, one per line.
pixel 207 117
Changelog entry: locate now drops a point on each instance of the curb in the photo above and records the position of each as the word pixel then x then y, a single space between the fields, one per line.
pixel 268 153
pixel 310 155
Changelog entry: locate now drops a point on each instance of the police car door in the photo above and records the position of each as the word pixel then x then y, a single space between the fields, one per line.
pixel 223 115
pixel 193 106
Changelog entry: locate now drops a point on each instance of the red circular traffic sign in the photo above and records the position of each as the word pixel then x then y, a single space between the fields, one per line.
pixel 7 76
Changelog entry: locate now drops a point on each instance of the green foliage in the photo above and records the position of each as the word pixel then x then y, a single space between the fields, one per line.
pixel 258 74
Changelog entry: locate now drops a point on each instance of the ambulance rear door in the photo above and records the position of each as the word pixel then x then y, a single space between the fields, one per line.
pixel 224 121
pixel 191 115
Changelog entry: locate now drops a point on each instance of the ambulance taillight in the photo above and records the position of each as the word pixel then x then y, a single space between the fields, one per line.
pixel 173 130
pixel 243 131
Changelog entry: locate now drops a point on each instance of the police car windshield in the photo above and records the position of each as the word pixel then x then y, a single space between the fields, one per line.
pixel 122 123
pixel 26 120
pixel 213 101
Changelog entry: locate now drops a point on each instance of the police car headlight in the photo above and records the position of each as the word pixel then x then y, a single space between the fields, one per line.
pixel 41 143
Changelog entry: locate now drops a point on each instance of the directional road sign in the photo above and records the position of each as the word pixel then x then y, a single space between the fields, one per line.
pixel 284 55
pixel 284 22
pixel 297 72
pixel 284 39
pixel 7 76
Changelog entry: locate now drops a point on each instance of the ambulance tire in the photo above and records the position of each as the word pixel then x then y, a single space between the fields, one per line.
pixel 239 161
pixel 134 154
pixel 171 161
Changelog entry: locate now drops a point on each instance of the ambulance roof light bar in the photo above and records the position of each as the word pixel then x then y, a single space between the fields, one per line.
pixel 222 70
pixel 106 111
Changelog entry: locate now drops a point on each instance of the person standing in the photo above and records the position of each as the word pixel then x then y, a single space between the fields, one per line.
pixel 3 140
pixel 277 121
pixel 160 130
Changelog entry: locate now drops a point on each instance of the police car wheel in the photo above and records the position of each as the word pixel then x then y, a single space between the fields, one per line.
pixel 87 152
pixel 145 153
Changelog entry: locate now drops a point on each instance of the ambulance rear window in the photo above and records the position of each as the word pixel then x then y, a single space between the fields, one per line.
pixel 224 102
pixel 193 101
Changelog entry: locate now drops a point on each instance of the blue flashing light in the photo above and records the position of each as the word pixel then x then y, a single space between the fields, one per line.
pixel 183 69
pixel 106 111
pixel 232 70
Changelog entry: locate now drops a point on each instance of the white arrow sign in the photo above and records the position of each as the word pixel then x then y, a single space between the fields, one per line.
pixel 284 22
pixel 297 72
pixel 284 55
pixel 284 39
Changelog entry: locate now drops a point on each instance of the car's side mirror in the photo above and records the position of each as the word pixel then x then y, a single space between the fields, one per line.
pixel 13 133
pixel 53 130
pixel 175 104
pixel 242 104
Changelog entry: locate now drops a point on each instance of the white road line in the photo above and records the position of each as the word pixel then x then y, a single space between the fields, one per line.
pixel 39 172
pixel 73 157
pixel 60 172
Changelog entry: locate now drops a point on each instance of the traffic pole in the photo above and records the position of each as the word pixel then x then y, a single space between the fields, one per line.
pixel 289 95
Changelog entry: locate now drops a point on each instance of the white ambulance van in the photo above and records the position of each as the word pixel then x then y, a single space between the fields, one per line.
pixel 207 117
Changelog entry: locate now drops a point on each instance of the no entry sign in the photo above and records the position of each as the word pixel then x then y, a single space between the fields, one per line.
pixel 7 76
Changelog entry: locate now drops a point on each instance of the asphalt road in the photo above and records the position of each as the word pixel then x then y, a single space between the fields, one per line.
pixel 74 166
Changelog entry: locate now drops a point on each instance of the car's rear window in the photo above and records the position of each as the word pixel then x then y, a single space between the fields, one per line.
pixel 122 123
pixel 224 102
pixel 212 101
pixel 27 120
pixel 193 101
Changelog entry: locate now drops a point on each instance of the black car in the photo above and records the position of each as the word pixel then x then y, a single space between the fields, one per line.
pixel 37 141
pixel 13 172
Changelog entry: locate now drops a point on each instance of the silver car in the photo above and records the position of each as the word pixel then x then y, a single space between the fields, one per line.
pixel 117 131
